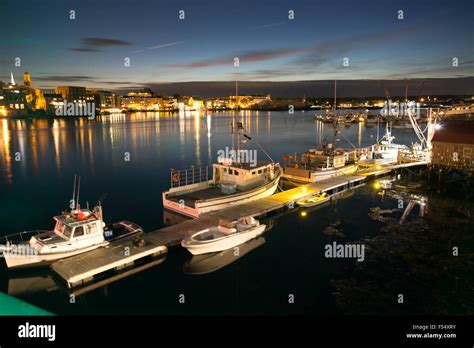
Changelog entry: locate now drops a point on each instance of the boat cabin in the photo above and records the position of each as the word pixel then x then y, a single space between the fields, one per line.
pixel 78 224
pixel 232 177
pixel 322 159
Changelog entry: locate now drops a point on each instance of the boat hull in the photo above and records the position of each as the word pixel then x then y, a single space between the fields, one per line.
pixel 316 176
pixel 15 261
pixel 225 243
pixel 306 204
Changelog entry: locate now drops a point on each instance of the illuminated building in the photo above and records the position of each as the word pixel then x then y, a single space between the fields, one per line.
pixel 141 101
pixel 72 94
pixel 53 101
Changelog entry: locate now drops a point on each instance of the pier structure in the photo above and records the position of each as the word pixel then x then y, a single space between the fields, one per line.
pixel 82 269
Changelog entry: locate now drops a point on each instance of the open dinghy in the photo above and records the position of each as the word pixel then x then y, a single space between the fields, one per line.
pixel 223 237
pixel 315 200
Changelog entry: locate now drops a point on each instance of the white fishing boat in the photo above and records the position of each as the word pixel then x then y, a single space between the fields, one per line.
pixel 223 237
pixel 323 162
pixel 233 181
pixel 314 201
pixel 386 151
pixel 319 164
pixel 75 232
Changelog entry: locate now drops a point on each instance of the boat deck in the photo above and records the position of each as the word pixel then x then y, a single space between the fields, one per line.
pixel 191 197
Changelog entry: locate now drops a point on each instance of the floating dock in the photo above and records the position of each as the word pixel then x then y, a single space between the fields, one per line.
pixel 81 269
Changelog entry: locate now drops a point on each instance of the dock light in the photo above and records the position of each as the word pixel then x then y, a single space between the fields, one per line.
pixel 377 185
pixel 438 126
pixel 303 213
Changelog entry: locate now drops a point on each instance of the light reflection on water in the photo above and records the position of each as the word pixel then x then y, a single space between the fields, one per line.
pixel 39 186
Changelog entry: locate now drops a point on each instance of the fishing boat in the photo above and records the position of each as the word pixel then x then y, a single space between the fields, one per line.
pixel 386 151
pixel 323 162
pixel 224 236
pixel 75 232
pixel 314 201
pixel 234 181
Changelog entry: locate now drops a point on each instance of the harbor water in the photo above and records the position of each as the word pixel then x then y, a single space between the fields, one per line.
pixel 285 271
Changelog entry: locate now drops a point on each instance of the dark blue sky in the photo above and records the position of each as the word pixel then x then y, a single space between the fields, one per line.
pixel 90 50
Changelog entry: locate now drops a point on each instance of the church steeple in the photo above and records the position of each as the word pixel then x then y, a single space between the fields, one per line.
pixel 12 81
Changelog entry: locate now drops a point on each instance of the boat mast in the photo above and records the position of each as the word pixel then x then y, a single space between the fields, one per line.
pixel 78 190
pixel 74 191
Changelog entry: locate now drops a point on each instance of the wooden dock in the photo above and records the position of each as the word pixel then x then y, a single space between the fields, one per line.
pixel 81 269
pixel 119 255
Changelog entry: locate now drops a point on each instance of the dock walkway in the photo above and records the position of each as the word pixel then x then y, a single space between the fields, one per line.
pixel 78 270
pixel 81 269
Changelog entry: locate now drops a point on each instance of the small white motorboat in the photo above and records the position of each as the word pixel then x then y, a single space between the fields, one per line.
pixel 315 200
pixel 223 237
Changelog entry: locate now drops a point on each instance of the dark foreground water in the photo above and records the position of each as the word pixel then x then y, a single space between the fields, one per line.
pixel 285 271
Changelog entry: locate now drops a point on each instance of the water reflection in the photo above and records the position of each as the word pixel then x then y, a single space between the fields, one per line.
pixel 174 139
pixel 208 263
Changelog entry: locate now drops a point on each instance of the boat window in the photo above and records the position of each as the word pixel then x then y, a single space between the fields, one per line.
pixel 91 228
pixel 68 231
pixel 79 231
pixel 230 171
pixel 236 172
pixel 253 173
pixel 260 171
pixel 59 227
pixel 225 170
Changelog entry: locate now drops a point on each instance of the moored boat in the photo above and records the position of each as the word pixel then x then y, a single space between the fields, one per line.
pixel 315 200
pixel 75 232
pixel 233 181
pixel 223 237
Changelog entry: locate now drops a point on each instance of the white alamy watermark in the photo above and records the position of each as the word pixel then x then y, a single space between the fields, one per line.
pixel 76 109
pixel 37 331
pixel 345 251
pixel 237 156
pixel 400 109
pixel 17 250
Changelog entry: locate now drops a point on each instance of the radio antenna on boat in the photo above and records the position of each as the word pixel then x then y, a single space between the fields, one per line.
pixel 74 191
pixel 78 191
pixel 101 199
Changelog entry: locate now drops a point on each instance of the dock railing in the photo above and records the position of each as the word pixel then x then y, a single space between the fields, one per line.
pixel 192 175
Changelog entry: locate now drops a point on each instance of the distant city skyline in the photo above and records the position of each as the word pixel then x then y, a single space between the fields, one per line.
pixel 163 49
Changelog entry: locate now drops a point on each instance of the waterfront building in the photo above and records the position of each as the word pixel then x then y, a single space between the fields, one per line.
pixel 141 101
pixel 105 101
pixel 72 94
pixel 453 145
pixel 12 100
pixel 53 101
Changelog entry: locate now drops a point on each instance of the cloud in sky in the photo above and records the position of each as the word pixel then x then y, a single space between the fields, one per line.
pixel 99 42
pixel 317 53
pixel 64 78
pixel 92 44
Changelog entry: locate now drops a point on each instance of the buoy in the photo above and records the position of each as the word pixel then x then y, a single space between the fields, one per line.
pixel 176 177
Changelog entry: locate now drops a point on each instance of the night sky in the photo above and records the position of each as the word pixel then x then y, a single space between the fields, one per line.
pixel 90 50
